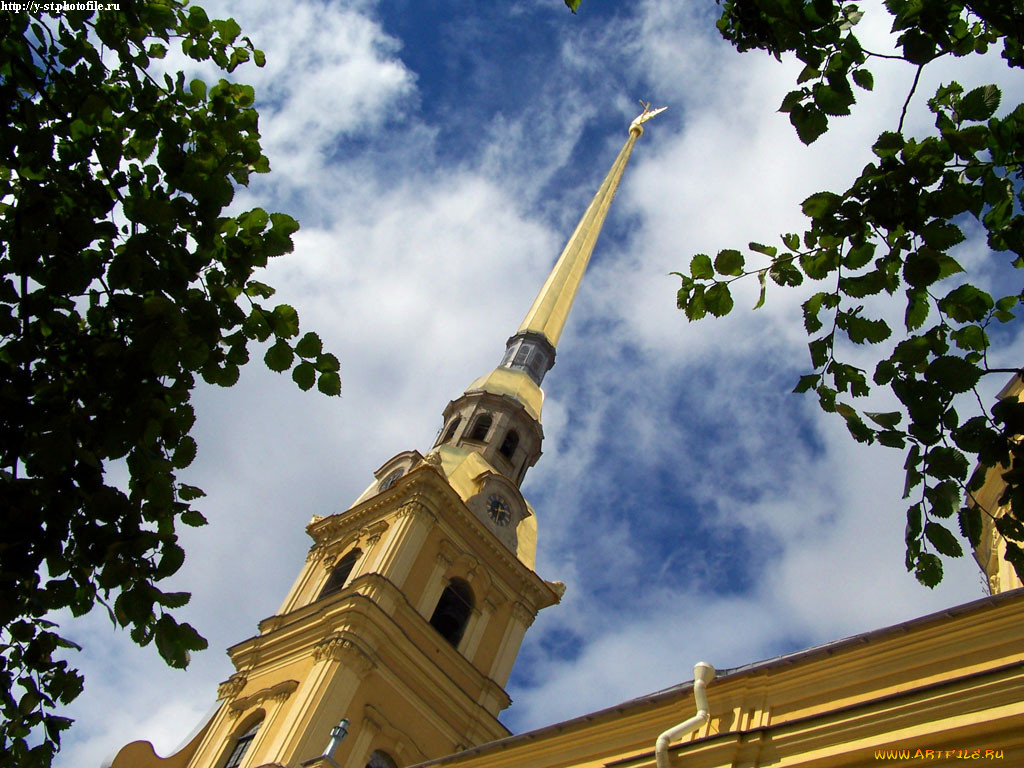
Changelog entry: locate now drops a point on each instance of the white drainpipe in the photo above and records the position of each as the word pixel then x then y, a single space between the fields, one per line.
pixel 703 673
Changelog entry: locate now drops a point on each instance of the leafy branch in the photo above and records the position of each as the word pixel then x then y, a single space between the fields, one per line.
pixel 122 281
pixel 893 233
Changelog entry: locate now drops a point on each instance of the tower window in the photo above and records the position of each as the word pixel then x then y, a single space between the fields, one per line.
pixel 242 745
pixel 522 355
pixel 481 427
pixel 509 444
pixel 340 574
pixel 536 366
pixel 381 759
pixel 450 432
pixel 453 611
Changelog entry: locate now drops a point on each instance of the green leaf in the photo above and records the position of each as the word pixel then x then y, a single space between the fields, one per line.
pixel 944 498
pixel 980 103
pixel 971 337
pixel 921 268
pixel 966 304
pixel 767 250
pixel 327 362
pixel 284 321
pixel 970 524
pixel 807 383
pixel 886 420
pixel 864 79
pixel 304 374
pixel 928 570
pixel 944 541
pixel 808 73
pixel 190 493
pixel 861 330
pixel 193 518
pixel 309 346
pixel 729 262
pixel 812 308
pixel 172 557
pixel 695 309
pixel 279 357
pixel 700 267
pixel 954 374
pixel 832 101
pixel 889 144
pixel 941 235
pixel 821 204
pixel 943 462
pixel 185 453
pixel 174 599
pixel 809 121
pixel 329 383
pixel 718 300
pixel 918 308
pixel 762 278
pixel 918 48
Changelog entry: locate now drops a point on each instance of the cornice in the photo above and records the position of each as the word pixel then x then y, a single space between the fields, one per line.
pixel 425 490
pixel 281 691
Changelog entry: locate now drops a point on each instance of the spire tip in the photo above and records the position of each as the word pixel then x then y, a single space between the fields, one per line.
pixel 637 125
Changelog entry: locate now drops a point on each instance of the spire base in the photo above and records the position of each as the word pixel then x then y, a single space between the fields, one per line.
pixel 531 352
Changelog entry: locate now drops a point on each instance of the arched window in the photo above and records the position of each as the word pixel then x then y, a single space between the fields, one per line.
pixel 450 432
pixel 453 611
pixel 481 427
pixel 381 759
pixel 508 445
pixel 242 745
pixel 340 574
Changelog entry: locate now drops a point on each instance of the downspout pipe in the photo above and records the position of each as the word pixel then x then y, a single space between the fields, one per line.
pixel 703 673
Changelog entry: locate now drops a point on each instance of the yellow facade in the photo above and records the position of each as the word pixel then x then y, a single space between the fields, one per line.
pixel 367 651
pixel 999 573
pixel 408 614
pixel 934 691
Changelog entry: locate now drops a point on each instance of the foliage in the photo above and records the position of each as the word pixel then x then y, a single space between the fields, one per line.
pixel 122 281
pixel 893 233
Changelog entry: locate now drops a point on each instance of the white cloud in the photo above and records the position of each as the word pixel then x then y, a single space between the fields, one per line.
pixel 683 494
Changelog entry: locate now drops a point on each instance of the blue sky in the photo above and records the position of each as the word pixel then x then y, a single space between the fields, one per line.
pixel 438 154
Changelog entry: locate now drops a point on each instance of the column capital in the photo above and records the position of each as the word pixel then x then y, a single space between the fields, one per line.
pixel 522 614
pixel 415 509
pixel 232 686
pixel 341 649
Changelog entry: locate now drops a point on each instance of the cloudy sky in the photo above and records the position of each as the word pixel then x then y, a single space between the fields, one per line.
pixel 438 154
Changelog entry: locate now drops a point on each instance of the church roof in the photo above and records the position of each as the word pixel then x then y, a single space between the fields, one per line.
pixel 766 665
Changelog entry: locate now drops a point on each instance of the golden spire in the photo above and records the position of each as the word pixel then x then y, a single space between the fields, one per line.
pixel 551 308
pixel 530 352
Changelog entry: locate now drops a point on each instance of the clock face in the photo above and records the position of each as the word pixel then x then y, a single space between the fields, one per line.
pixel 498 509
pixel 390 480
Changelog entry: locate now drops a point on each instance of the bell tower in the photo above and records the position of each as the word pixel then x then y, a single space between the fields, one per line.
pixel 399 634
